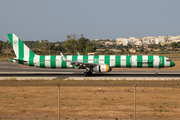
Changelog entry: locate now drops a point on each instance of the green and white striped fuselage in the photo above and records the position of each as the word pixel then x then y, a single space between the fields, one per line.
pixel 126 61
pixel 93 63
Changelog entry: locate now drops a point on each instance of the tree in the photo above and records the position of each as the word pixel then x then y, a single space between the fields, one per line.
pixel 141 49
pixel 68 37
pixel 159 46
pixel 155 46
pixel 42 49
pixel 1 46
pixel 71 46
pixel 174 45
pixel 82 44
pixel 165 45
pixel 90 47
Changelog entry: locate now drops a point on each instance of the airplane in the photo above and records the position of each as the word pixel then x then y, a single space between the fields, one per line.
pixel 92 63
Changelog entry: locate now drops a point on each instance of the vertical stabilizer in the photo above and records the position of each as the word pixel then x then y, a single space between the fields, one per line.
pixel 21 51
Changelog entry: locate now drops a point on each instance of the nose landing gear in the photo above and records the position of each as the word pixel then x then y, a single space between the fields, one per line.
pixel 157 71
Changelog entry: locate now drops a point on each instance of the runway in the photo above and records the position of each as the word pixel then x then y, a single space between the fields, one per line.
pixel 10 70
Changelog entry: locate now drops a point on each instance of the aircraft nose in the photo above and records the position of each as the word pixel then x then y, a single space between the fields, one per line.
pixel 172 64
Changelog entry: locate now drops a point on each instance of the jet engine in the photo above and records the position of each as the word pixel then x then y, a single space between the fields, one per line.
pixel 101 68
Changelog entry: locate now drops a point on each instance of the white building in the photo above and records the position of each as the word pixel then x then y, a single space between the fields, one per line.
pixel 120 41
pixel 125 42
pixel 157 41
pixel 145 41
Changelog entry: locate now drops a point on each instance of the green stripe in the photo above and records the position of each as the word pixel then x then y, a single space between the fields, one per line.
pixel 63 63
pixel 42 61
pixel 85 58
pixel 96 58
pixel 128 60
pixel 118 61
pixel 10 38
pixel 161 61
pixel 107 59
pixel 21 51
pixel 150 61
pixel 11 60
pixel 31 58
pixel 74 59
pixel 139 60
pixel 53 61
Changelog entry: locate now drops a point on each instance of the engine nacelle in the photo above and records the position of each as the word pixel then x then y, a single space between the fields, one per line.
pixel 101 68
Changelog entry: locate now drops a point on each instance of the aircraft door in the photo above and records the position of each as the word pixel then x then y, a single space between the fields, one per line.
pixel 36 61
pixel 133 61
pixel 161 62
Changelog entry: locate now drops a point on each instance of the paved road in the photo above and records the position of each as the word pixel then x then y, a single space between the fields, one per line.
pixel 8 69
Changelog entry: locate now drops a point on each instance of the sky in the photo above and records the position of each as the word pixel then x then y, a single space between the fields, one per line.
pixel 95 19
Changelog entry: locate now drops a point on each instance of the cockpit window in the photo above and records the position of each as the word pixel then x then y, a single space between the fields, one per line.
pixel 168 60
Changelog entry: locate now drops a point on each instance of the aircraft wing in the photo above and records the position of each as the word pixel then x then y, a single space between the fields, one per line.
pixel 76 63
pixel 80 64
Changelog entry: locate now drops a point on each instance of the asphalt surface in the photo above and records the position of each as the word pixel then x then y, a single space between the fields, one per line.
pixel 8 69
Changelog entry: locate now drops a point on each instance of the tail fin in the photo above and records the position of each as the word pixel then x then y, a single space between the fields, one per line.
pixel 21 51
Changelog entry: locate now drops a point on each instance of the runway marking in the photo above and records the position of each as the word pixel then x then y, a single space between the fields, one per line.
pixel 27 78
pixel 6 73
pixel 122 78
pixel 4 67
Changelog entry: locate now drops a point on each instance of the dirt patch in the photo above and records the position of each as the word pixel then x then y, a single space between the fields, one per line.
pixel 91 83
pixel 90 103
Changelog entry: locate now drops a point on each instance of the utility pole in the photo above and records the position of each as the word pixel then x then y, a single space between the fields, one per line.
pixel 58 101
pixel 135 101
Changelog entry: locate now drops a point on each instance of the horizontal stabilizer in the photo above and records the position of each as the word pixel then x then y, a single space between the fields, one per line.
pixel 17 60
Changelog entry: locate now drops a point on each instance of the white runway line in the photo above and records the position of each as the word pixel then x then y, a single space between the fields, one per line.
pixel 24 72
pixel 122 78
pixel 27 78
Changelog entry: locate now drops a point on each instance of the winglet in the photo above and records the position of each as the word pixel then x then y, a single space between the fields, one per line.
pixel 78 53
pixel 63 57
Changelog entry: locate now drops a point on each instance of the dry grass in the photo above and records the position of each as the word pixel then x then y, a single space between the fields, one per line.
pixel 89 103
pixel 107 83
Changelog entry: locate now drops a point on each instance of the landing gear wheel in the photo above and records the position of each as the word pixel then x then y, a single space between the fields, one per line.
pixel 90 73
pixel 87 73
pixel 157 71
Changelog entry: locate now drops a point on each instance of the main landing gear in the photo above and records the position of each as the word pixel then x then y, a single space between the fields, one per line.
pixel 88 72
pixel 157 71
